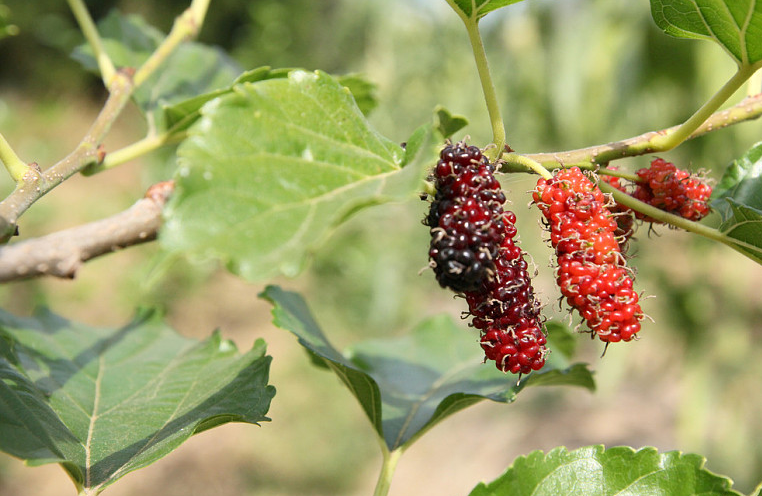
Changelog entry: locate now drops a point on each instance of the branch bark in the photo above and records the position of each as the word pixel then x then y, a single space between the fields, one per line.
pixel 61 254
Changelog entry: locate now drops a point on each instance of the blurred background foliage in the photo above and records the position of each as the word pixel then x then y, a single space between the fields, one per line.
pixel 570 74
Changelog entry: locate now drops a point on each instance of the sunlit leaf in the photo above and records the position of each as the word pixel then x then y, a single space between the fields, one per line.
pixel 736 25
pixel 182 115
pixel 595 471
pixel 273 167
pixel 408 384
pixel 480 8
pixel 105 402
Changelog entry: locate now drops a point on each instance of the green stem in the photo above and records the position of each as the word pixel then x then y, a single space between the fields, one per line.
pixel 617 173
pixel 674 138
pixel 13 164
pixel 671 219
pixel 133 151
pixel 185 26
pixel 488 87
pixel 88 28
pixel 387 471
pixel 524 161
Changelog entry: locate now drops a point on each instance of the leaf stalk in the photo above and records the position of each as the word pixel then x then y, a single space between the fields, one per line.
pixel 389 465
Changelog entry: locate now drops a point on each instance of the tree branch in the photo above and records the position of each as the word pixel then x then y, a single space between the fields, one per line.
pixel 61 254
pixel 590 158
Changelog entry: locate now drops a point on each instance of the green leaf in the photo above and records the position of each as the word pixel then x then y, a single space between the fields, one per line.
pixel 736 25
pixel 105 402
pixel 407 385
pixel 744 224
pixel 363 91
pixel 480 8
pixel 192 69
pixel 561 339
pixel 181 116
pixel 273 167
pixel 448 124
pixel 595 471
pixel 738 199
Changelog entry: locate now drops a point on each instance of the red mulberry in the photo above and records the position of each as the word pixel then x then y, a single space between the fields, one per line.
pixel 472 251
pixel 591 271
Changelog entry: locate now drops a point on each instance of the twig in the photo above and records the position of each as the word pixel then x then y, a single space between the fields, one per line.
pixel 61 254
pixel 748 109
pixel 88 28
pixel 34 184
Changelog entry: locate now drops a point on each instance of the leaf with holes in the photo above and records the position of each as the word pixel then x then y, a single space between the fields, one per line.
pixel 408 384
pixel 105 402
pixel 736 25
pixel 596 471
pixel 273 167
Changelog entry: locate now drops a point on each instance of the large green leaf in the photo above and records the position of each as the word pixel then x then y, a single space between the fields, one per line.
pixel 182 115
pixel 192 69
pixel 480 8
pixel 271 168
pixel 408 384
pixel 105 402
pixel 738 199
pixel 595 471
pixel 735 24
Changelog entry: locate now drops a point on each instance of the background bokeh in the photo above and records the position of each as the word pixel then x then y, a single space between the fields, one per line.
pixel 569 74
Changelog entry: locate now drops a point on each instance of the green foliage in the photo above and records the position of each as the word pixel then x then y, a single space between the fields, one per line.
pixel 273 167
pixel 738 198
pixel 408 384
pixel 735 25
pixel 105 402
pixel 595 471
pixel 191 70
pixel 479 8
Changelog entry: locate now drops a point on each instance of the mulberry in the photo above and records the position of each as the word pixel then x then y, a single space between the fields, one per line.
pixel 591 271
pixel 473 252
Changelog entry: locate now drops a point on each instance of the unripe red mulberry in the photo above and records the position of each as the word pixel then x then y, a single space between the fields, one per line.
pixel 591 271
pixel 673 190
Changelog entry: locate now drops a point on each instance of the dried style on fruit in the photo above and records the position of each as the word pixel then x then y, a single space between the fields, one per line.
pixel 473 252
pixel 592 274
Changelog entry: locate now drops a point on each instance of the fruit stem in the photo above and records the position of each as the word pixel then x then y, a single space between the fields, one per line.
pixel 13 164
pixel 488 87
pixel 617 173
pixel 387 470
pixel 674 138
pixel 523 160
pixel 88 28
pixel 674 220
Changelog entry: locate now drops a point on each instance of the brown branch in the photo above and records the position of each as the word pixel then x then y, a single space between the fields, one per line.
pixel 590 157
pixel 61 254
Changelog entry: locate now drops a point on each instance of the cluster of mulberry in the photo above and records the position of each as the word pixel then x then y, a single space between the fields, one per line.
pixel 473 252
pixel 591 271
pixel 664 186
